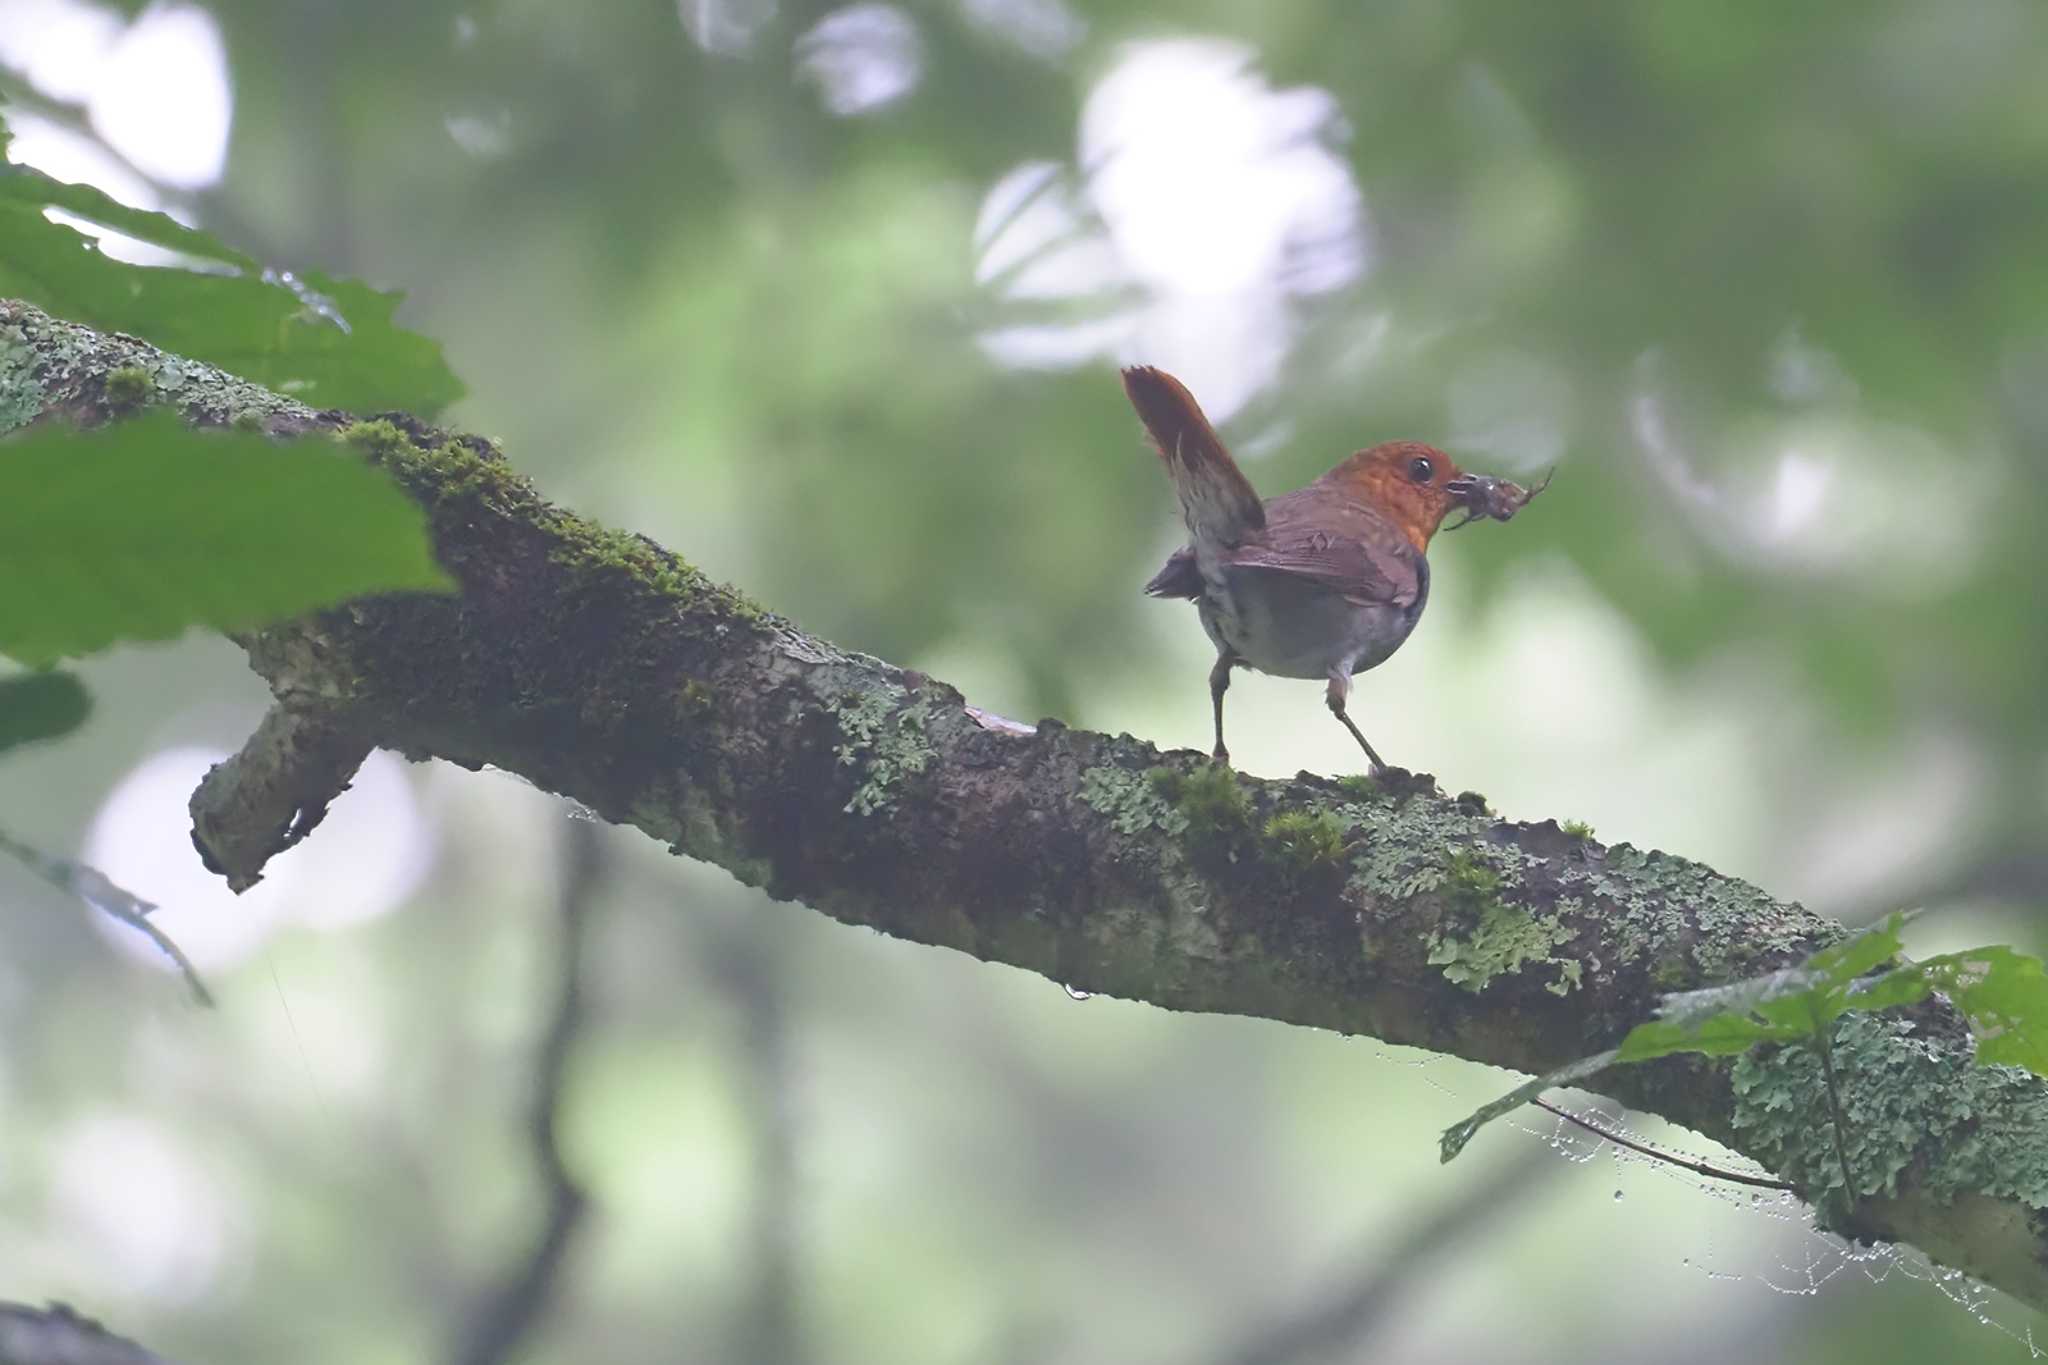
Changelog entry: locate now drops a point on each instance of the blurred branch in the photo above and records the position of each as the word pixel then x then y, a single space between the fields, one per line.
pixel 58 1336
pixel 2013 871
pixel 601 667
pixel 509 1313
pixel 770 1327
pixel 1340 1323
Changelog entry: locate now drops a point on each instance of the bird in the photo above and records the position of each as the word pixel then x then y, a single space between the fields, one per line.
pixel 1324 582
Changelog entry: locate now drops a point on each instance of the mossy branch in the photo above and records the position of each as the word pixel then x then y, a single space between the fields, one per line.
pixel 600 666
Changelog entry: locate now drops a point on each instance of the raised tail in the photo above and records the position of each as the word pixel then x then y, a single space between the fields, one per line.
pixel 1216 500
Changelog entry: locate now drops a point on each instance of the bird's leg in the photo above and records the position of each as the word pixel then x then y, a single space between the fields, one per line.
pixel 1219 683
pixel 1340 687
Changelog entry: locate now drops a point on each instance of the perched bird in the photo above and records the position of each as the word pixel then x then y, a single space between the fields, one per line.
pixel 1323 582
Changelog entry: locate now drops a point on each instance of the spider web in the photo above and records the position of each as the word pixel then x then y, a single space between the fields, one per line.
pixel 1804 1262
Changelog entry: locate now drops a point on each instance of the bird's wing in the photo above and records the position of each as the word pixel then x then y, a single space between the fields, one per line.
pixel 1343 545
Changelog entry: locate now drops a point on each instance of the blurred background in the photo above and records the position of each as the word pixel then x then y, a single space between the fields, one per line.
pixel 829 298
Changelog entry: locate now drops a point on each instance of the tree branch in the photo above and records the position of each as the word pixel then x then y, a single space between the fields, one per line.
pixel 601 667
pixel 41 1336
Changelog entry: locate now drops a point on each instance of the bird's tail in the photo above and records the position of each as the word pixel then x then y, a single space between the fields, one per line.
pixel 1216 500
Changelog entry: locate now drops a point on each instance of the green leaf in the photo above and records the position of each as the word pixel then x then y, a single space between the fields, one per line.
pixel 1458 1134
pixel 1782 1006
pixel 1778 1007
pixel 40 706
pixel 1843 962
pixel 1902 986
pixel 328 342
pixel 139 530
pixel 2003 993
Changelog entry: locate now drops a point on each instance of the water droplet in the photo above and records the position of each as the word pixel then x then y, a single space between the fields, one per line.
pixel 1076 993
pixel 1617 1196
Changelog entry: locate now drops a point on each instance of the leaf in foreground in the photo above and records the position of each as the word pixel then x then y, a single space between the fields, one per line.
pixel 40 706
pixel 1778 1007
pixel 329 342
pixel 2003 994
pixel 140 530
pixel 1720 1020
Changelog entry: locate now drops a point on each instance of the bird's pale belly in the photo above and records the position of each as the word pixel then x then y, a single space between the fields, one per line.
pixel 1292 628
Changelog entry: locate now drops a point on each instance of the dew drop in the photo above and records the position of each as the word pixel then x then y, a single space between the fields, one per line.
pixel 1617 1196
pixel 1076 993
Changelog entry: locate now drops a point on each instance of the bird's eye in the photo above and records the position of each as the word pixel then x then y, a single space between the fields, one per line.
pixel 1420 469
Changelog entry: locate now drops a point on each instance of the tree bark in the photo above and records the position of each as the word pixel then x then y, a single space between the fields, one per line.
pixel 602 667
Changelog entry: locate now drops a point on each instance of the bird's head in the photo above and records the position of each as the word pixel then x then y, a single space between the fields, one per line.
pixel 1416 486
pixel 1413 485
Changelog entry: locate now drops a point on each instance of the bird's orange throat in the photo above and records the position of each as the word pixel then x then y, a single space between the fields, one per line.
pixel 1416 509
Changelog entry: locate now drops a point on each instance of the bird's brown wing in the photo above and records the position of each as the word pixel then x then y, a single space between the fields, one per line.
pixel 1339 543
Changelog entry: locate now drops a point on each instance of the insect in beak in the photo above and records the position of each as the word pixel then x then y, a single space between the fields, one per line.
pixel 1482 495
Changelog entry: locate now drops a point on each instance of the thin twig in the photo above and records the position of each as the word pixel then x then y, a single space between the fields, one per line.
pixel 98 890
pixel 1642 1149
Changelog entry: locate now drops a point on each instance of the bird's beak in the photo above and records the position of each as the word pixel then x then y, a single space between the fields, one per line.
pixel 1474 493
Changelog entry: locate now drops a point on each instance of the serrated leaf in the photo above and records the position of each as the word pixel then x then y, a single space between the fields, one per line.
pixel 1777 1007
pixel 1903 986
pixel 41 706
pixel 2002 992
pixel 329 342
pixel 1719 1035
pixel 139 530
pixel 1843 962
pixel 27 187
